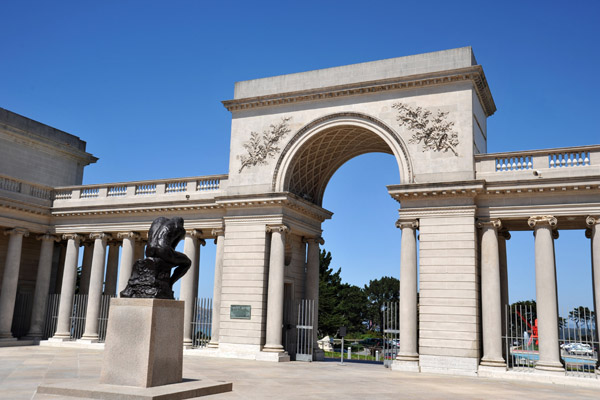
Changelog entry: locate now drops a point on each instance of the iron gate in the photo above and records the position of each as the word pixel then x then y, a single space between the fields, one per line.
pixel 304 329
pixel 391 332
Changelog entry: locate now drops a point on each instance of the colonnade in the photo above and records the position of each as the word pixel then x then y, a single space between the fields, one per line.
pixel 494 288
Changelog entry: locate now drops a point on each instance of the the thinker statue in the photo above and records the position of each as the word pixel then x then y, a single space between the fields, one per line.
pixel 151 277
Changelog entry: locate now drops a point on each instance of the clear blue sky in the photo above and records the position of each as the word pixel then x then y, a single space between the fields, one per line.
pixel 131 77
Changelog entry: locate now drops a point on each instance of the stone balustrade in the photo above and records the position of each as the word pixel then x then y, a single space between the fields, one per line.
pixel 141 191
pixel 547 163
pixel 39 194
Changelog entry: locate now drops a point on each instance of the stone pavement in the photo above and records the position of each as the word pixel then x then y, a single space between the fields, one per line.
pixel 22 369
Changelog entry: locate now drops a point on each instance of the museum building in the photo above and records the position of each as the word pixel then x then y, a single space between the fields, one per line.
pixel 289 134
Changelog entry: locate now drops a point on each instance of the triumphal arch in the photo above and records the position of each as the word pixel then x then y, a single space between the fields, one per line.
pixel 289 134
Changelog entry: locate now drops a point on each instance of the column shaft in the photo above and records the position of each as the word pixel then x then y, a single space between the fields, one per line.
pixel 491 296
pixel 63 328
pixel 216 306
pixel 42 287
pixel 275 296
pixel 10 280
pixel 594 235
pixel 408 351
pixel 127 259
pixel 112 268
pixel 546 295
pixel 312 282
pixel 191 248
pixel 90 333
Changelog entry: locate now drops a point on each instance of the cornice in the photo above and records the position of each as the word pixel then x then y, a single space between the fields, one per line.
pixel 444 189
pixel 422 212
pixel 474 74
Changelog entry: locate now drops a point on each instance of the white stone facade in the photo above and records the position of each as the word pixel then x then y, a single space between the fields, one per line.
pixel 289 135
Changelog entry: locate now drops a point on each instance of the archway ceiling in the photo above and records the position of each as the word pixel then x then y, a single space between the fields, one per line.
pixel 321 156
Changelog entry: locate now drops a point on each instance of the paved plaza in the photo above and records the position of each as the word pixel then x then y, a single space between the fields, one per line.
pixel 23 368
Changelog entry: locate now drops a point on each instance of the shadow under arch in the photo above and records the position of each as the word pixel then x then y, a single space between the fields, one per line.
pixel 321 147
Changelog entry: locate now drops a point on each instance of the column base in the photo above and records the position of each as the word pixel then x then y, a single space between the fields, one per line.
pixel 273 349
pixel 213 345
pixel 88 339
pixel 406 366
pixel 188 344
pixel 492 363
pixel 8 338
pixel 61 338
pixel 273 356
pixel 549 367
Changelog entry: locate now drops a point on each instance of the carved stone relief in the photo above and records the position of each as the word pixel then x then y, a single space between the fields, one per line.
pixel 434 132
pixel 262 147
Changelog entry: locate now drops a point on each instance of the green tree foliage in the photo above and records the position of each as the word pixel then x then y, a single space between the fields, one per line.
pixel 379 292
pixel 340 304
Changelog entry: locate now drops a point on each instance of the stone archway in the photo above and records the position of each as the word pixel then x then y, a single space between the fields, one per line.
pixel 321 147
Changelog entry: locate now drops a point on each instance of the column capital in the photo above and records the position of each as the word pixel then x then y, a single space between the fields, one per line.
pixel 17 231
pixel 48 237
pixel 281 228
pixel 100 235
pixel 590 221
pixel 489 223
pixel 217 232
pixel 317 239
pixel 129 235
pixel 193 233
pixel 407 223
pixel 541 220
pixel 72 236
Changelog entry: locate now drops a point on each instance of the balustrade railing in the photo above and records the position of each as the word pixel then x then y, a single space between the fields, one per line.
pixel 10 184
pixel 526 163
pixel 149 190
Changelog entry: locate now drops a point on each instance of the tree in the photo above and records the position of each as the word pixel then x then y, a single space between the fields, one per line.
pixel 379 292
pixel 340 304
pixel 582 315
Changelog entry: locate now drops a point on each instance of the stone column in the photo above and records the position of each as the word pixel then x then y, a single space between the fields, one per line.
pixel 503 236
pixel 408 356
pixel 127 258
pixel 42 286
pixel 86 267
pixel 593 232
pixel 112 268
pixel 275 296
pixel 312 287
pixel 216 305
pixel 546 295
pixel 189 282
pixel 90 333
pixel 67 291
pixel 10 280
pixel 491 296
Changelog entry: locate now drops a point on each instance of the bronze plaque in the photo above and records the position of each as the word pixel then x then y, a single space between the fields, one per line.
pixel 239 312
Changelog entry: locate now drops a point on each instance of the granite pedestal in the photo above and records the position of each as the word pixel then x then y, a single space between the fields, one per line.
pixel 143 356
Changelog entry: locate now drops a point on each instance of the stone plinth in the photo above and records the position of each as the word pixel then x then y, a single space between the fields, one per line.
pixel 143 343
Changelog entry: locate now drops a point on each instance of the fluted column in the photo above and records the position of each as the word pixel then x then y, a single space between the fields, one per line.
pixel 408 356
pixel 10 280
pixel 90 333
pixel 42 286
pixel 63 331
pixel 127 258
pixel 491 299
pixel 503 236
pixel 216 305
pixel 112 268
pixel 86 267
pixel 275 296
pixel 312 284
pixel 546 295
pixel 593 232
pixel 189 282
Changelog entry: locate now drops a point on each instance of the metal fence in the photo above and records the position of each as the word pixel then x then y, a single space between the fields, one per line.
pixel 22 314
pixel 103 317
pixel 578 340
pixel 78 315
pixel 201 322
pixel 391 332
pixel 51 319
pixel 304 326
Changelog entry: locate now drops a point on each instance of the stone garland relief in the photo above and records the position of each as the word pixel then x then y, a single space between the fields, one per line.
pixel 435 132
pixel 262 147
